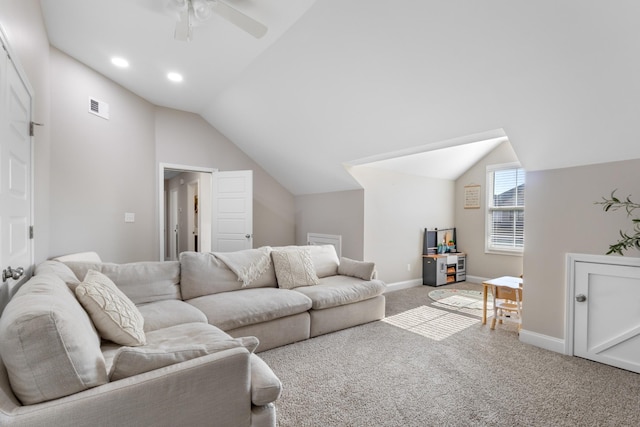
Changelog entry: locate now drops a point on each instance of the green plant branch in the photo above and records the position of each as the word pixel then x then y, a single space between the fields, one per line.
pixel 627 241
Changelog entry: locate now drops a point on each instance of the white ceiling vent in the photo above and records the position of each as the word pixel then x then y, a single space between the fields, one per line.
pixel 99 108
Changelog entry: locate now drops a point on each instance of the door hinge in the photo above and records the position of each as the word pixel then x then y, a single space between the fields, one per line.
pixel 31 231
pixel 32 125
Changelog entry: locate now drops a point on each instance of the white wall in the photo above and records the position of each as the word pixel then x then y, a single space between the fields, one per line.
pixel 470 223
pixel 339 213
pixel 398 207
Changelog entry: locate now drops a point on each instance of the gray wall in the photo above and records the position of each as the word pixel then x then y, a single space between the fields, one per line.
pixel 340 213
pixel 561 218
pixel 90 171
pixel 470 223
pixel 100 168
pixel 187 139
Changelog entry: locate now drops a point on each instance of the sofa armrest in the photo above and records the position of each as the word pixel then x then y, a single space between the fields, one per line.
pixel 265 385
pixel 195 392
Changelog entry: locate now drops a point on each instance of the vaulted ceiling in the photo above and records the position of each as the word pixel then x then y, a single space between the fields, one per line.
pixel 335 81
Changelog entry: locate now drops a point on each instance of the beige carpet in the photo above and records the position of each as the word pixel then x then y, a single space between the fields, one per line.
pixel 438 366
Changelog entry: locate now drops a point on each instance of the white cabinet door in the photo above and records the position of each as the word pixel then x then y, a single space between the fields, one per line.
pixel 15 169
pixel 607 314
pixel 232 211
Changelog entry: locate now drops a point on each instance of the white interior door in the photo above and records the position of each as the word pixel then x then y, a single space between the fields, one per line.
pixel 232 211
pixel 607 314
pixel 15 170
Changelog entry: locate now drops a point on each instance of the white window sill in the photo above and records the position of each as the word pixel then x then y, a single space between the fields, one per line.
pixel 504 252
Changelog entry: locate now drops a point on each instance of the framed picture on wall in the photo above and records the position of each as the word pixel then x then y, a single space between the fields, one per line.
pixel 472 196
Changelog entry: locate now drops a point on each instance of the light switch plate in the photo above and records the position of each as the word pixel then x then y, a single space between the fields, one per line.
pixel 129 217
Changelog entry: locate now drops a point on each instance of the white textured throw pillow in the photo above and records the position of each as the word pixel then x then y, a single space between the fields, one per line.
pixel 113 314
pixel 294 268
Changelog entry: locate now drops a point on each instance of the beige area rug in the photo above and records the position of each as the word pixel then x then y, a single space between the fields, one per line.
pixel 460 298
pixel 428 365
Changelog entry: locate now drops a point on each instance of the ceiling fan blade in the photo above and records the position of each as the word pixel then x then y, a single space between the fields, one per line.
pixel 183 26
pixel 239 19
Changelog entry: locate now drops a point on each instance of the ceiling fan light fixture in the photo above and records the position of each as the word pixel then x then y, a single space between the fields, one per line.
pixel 202 9
pixel 178 5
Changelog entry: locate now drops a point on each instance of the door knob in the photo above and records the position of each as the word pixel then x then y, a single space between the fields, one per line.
pixel 10 273
pixel 248 236
pixel 581 298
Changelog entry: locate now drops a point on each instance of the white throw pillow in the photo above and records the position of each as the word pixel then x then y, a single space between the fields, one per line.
pixel 294 268
pixel 114 315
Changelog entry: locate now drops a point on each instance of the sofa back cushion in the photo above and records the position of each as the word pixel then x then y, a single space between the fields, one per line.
pixel 324 257
pixel 142 282
pixel 49 345
pixel 59 269
pixel 203 273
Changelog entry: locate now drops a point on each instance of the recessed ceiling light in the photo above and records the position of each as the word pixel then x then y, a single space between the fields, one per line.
pixel 174 77
pixel 120 62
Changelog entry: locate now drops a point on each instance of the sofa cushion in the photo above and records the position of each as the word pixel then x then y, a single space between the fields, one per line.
pixel 113 314
pixel 204 274
pixel 324 257
pixel 142 282
pixel 80 256
pixel 294 267
pixel 49 345
pixel 162 314
pixel 59 269
pixel 265 385
pixel 251 266
pixel 360 269
pixel 231 310
pixel 129 361
pixel 340 290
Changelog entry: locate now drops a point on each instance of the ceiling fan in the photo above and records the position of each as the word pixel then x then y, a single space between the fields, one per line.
pixel 193 12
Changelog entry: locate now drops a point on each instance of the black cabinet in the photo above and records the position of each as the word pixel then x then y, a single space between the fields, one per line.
pixel 438 270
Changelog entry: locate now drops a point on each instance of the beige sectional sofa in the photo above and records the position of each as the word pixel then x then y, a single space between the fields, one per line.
pixel 174 343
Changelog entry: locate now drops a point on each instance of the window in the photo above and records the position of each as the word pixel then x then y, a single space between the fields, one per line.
pixel 505 209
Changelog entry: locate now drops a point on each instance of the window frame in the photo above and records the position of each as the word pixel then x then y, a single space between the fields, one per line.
pixel 492 249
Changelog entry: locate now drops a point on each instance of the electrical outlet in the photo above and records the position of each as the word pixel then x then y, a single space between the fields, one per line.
pixel 408 267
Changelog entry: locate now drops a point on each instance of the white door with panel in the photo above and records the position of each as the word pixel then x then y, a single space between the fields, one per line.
pixel 607 314
pixel 15 172
pixel 232 211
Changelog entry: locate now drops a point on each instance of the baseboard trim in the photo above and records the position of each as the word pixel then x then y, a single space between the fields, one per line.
pixel 543 341
pixel 475 279
pixel 392 287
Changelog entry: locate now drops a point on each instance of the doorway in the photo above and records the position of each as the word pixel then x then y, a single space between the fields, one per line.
pixel 186 209
pixel 204 210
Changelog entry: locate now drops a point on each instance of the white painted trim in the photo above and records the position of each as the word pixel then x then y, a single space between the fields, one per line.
pixel 543 341
pixel 572 259
pixel 397 286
